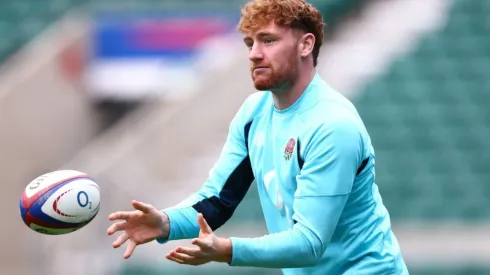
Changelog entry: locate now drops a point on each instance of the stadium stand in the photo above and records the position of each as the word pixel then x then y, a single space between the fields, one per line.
pixel 22 20
pixel 429 121
pixel 334 11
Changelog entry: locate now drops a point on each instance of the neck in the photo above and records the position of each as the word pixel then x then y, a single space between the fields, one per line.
pixel 287 96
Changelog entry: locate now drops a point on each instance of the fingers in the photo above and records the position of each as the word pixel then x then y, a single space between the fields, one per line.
pixel 120 240
pixel 125 215
pixel 180 258
pixel 121 215
pixel 116 227
pixel 129 249
pixel 193 252
pixel 143 207
pixel 205 228
pixel 202 243
pixel 172 258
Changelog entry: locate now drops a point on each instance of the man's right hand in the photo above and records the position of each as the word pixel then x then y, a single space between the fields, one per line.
pixel 141 226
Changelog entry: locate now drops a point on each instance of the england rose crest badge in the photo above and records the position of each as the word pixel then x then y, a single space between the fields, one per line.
pixel 288 151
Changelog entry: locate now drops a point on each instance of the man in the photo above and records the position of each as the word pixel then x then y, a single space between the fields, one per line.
pixel 310 154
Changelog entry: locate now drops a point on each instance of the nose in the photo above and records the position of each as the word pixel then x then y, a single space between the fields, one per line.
pixel 255 53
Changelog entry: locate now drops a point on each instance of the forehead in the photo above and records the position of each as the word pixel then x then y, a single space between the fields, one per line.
pixel 270 28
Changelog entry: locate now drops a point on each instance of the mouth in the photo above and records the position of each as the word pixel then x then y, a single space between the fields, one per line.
pixel 260 68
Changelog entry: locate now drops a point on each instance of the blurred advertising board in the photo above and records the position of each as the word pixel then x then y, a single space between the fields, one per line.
pixel 138 54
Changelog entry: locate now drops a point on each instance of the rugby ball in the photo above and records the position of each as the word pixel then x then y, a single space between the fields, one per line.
pixel 60 202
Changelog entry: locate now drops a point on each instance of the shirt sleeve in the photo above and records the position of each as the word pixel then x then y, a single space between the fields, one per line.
pixel 332 157
pixel 226 186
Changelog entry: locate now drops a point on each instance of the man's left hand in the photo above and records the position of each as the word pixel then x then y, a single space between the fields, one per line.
pixel 209 248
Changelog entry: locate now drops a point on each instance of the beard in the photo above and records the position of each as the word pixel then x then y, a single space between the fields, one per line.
pixel 266 80
pixel 275 77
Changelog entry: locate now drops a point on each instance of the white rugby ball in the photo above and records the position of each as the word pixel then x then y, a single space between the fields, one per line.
pixel 60 202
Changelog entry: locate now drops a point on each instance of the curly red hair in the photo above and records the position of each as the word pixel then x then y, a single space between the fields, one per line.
pixel 297 14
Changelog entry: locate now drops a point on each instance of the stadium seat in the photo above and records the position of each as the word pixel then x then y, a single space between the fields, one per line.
pixel 22 20
pixel 428 118
pixel 334 10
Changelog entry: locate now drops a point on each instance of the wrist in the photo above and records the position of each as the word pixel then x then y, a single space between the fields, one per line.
pixel 226 250
pixel 164 226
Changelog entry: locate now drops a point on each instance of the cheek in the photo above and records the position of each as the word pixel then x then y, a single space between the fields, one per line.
pixel 286 63
pixel 279 62
pixel 281 58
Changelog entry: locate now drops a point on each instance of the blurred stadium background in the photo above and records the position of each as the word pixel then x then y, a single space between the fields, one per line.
pixel 139 95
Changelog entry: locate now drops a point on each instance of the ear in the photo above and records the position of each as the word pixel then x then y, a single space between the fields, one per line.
pixel 307 43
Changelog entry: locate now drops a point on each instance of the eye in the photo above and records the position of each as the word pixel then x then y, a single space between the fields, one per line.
pixel 248 42
pixel 268 41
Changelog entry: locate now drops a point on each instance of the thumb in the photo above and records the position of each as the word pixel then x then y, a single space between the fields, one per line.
pixel 143 207
pixel 205 228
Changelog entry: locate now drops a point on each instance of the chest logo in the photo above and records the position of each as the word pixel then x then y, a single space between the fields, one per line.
pixel 288 151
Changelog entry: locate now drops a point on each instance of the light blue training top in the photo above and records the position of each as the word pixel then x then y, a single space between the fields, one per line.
pixel 314 167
